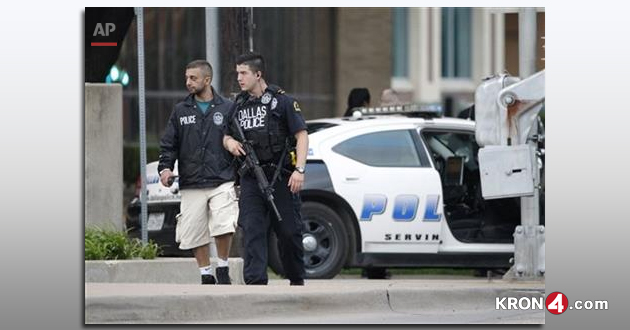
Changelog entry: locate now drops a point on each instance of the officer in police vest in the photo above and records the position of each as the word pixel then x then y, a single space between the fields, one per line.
pixel 273 122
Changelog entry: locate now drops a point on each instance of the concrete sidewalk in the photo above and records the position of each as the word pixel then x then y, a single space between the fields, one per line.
pixel 194 303
pixel 159 270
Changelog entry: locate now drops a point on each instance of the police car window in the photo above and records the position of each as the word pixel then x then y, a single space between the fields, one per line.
pixel 447 144
pixel 382 149
pixel 316 127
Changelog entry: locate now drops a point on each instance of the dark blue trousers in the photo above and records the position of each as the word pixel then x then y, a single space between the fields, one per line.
pixel 257 218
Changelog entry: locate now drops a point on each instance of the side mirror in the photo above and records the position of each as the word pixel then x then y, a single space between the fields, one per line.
pixel 454 172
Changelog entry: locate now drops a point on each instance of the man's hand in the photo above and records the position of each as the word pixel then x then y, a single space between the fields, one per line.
pixel 295 182
pixel 234 147
pixel 166 173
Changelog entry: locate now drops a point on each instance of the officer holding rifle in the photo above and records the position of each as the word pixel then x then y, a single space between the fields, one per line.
pixel 268 131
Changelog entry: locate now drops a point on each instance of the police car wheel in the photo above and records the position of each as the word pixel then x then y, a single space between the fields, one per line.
pixel 324 240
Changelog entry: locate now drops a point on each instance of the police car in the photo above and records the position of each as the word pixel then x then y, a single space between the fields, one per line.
pixel 399 187
pixel 394 187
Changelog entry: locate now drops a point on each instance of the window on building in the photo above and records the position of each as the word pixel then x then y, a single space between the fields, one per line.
pixel 456 42
pixel 400 42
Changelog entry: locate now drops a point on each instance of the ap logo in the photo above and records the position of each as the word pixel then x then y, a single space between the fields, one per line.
pixel 99 30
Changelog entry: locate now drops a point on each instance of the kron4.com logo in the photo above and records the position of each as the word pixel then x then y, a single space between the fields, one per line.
pixel 556 303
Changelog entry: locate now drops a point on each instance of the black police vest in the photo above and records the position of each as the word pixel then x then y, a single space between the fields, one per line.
pixel 263 126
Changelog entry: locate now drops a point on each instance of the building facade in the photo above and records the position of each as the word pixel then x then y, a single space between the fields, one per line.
pixel 428 55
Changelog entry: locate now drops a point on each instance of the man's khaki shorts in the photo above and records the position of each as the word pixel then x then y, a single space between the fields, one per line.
pixel 204 213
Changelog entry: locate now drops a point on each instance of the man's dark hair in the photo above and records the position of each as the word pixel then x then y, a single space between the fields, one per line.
pixel 255 61
pixel 358 97
pixel 201 64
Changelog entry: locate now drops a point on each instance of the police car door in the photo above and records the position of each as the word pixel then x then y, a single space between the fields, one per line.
pixel 385 175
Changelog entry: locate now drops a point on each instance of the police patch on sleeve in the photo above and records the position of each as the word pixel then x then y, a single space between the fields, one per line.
pixel 218 118
pixel 274 103
pixel 266 98
pixel 296 106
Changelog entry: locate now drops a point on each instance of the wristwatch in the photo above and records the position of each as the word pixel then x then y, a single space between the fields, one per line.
pixel 299 169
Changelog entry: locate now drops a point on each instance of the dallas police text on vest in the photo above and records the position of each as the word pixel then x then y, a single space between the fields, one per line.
pixel 253 117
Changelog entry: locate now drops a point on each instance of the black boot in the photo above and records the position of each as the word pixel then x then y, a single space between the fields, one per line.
pixel 223 275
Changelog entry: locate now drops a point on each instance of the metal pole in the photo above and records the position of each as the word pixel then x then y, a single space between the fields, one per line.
pixel 527 42
pixel 212 45
pixel 251 26
pixel 212 56
pixel 527 67
pixel 143 137
pixel 528 236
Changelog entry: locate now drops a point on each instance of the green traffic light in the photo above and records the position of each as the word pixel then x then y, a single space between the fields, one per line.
pixel 114 73
pixel 125 79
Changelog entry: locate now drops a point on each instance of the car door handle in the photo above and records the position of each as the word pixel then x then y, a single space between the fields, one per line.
pixel 352 178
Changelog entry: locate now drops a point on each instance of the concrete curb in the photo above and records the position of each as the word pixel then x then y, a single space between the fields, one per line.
pixel 160 270
pixel 168 303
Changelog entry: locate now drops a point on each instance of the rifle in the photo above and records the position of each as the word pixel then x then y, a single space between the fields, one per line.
pixel 252 163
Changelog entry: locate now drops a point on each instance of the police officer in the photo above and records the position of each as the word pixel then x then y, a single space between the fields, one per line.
pixel 194 136
pixel 273 122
